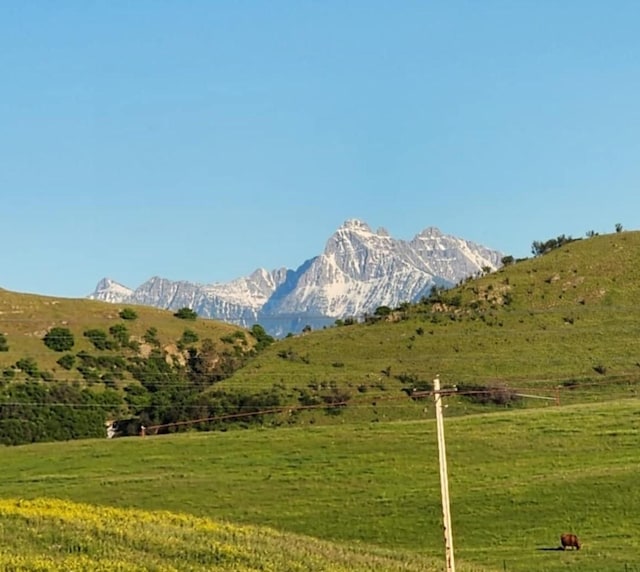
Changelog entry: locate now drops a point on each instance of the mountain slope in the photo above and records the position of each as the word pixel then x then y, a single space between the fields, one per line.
pixel 567 319
pixel 26 318
pixel 358 271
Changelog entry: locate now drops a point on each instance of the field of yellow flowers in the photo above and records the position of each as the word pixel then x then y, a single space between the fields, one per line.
pixel 47 535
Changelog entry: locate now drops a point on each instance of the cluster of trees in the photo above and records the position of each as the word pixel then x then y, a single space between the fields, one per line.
pixel 157 388
pixel 542 247
pixel 154 389
pixel 33 411
pixel 538 248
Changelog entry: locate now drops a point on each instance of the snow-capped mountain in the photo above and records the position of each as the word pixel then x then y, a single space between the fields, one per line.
pixel 358 271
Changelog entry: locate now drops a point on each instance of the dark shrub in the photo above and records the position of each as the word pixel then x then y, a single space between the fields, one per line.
pixel 186 314
pixel 486 395
pixel 128 314
pixel 59 339
pixel 67 361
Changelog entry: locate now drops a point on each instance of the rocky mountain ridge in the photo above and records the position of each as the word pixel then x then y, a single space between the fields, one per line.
pixel 358 271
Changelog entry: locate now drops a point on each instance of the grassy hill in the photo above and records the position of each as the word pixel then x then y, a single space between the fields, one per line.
pixel 518 480
pixel 68 367
pixel 353 494
pixel 564 324
pixel 26 318
pixel 559 327
pixel 51 535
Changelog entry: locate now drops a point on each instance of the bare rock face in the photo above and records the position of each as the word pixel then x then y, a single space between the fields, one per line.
pixel 358 271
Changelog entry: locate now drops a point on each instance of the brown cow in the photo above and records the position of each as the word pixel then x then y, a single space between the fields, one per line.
pixel 569 540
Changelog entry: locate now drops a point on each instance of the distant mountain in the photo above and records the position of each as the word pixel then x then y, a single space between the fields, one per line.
pixel 358 271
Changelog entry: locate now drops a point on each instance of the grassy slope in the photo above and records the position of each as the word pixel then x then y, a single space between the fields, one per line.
pixel 52 535
pixel 569 311
pixel 518 479
pixel 543 322
pixel 26 318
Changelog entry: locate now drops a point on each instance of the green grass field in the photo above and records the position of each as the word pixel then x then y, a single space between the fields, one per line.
pixel 358 489
pixel 53 535
pixel 518 480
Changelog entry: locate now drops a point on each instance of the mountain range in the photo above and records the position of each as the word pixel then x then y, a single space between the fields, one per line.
pixel 358 271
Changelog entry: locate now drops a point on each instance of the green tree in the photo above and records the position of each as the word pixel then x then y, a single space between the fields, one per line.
pixel 29 366
pixel 151 336
pixel 382 311
pixel 538 248
pixel 128 314
pixel 188 337
pixel 618 227
pixel 4 346
pixel 263 340
pixel 98 338
pixel 186 314
pixel 120 333
pixel 67 361
pixel 59 339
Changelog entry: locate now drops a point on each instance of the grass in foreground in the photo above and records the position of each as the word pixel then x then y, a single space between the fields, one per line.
pixel 518 480
pixel 52 535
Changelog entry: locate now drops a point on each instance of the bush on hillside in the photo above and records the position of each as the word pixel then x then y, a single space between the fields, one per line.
pixel 29 366
pixel 4 346
pixel 121 334
pixel 59 339
pixel 49 412
pixel 336 400
pixel 263 340
pixel 539 248
pixel 67 361
pixel 128 314
pixel 186 314
pixel 487 395
pixel 188 337
pixel 99 339
pixel 151 336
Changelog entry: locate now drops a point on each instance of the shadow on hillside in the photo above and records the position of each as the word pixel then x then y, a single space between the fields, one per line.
pixel 549 548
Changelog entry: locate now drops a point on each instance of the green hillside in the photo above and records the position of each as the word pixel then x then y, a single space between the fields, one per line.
pixel 518 480
pixel 69 367
pixel 564 324
pixel 26 318
pixel 559 327
pixel 50 535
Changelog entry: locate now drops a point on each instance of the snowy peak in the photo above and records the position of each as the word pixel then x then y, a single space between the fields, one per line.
pixel 109 290
pixel 358 271
pixel 355 225
pixel 430 232
pixel 452 258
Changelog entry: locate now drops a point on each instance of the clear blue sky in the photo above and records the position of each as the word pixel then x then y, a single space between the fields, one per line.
pixel 200 140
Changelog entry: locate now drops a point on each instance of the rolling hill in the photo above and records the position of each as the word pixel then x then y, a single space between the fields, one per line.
pixel 559 327
pixel 361 492
pixel 26 318
pixel 363 497
pixel 563 325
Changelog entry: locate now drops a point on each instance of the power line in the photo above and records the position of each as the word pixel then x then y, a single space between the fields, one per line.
pixel 371 401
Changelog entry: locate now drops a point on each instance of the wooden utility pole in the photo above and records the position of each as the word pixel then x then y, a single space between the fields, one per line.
pixel 444 481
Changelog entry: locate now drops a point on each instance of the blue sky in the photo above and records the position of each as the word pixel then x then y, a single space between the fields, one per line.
pixel 200 140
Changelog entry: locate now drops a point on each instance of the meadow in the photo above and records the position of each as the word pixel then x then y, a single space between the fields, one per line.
pixel 518 479
pixel 337 487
